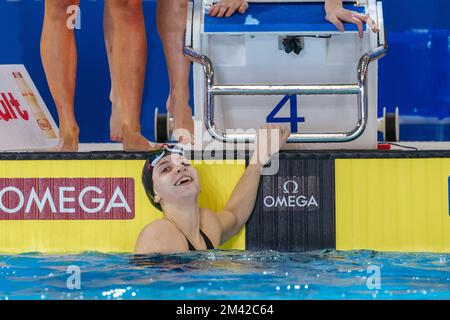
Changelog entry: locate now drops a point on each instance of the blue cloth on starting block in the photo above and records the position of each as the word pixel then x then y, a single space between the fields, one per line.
pixel 278 17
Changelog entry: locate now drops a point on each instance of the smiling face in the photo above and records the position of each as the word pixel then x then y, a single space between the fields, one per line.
pixel 175 180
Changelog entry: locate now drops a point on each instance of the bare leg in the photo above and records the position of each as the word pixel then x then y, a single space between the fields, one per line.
pixel 171 21
pixel 108 30
pixel 126 43
pixel 59 58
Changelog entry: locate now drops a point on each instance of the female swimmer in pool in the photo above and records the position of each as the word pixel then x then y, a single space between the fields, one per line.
pixel 172 186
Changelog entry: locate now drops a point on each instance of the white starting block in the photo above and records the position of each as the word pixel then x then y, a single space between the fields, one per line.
pixel 282 62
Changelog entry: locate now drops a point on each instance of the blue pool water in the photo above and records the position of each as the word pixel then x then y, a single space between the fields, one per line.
pixel 229 275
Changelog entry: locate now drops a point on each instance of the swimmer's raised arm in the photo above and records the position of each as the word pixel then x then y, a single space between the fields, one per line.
pixel 337 14
pixel 240 205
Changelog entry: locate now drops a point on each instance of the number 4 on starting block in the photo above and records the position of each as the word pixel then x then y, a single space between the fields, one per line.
pixel 293 119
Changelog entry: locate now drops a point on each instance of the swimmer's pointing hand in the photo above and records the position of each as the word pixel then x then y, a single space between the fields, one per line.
pixel 226 8
pixel 336 14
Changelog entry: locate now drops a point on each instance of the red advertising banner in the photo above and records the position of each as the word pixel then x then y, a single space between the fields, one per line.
pixel 67 199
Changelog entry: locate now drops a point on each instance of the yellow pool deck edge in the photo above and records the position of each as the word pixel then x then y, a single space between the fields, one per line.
pixel 382 204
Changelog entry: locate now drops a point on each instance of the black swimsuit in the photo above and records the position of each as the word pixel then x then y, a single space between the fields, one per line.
pixel 209 245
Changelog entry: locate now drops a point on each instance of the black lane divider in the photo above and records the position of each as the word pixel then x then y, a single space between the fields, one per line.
pixel 290 154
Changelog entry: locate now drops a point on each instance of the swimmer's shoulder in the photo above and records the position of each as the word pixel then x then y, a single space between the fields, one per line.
pixel 157 237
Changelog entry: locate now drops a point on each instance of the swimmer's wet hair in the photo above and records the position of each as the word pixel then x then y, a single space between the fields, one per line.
pixel 147 172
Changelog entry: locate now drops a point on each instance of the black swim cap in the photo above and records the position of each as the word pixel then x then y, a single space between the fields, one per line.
pixel 147 172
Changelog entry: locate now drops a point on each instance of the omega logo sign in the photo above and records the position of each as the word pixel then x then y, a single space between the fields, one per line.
pixel 67 199
pixel 291 196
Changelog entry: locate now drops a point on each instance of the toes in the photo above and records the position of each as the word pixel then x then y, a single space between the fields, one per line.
pixel 116 138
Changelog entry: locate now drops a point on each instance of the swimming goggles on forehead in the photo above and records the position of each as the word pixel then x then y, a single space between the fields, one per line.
pixel 157 155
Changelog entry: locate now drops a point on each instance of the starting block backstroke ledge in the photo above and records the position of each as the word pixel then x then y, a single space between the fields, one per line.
pixel 246 73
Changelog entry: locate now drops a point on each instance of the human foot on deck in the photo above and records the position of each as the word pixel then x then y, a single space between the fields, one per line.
pixel 117 123
pixel 68 139
pixel 133 141
pixel 122 117
pixel 183 131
